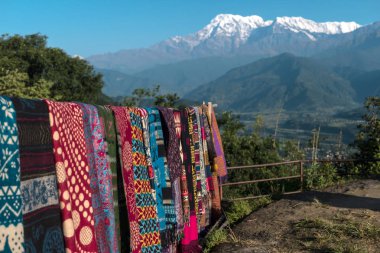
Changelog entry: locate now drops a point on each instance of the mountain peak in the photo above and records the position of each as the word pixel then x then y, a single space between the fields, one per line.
pixel 300 24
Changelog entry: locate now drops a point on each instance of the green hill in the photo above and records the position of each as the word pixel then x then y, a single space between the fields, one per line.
pixel 285 81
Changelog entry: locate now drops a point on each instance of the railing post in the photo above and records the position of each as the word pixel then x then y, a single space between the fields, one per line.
pixel 220 189
pixel 301 173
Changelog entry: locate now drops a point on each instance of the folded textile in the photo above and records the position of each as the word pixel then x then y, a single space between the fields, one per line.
pixel 174 163
pixel 100 181
pixel 124 133
pixel 145 203
pixel 41 212
pixel 164 195
pixel 11 227
pixel 67 128
pixel 120 209
pixel 190 241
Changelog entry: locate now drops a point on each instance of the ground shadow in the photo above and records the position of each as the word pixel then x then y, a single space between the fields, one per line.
pixel 337 200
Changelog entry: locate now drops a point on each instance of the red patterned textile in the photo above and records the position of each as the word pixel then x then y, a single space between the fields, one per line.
pixel 66 121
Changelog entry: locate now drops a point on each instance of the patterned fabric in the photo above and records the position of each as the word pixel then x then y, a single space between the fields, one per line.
pixel 197 154
pixel 162 184
pixel 219 164
pixel 11 228
pixel 124 134
pixel 41 213
pixel 172 144
pixel 120 209
pixel 66 121
pixel 145 204
pixel 214 178
pixel 201 157
pixel 209 184
pixel 184 190
pixel 174 163
pixel 100 180
pixel 190 240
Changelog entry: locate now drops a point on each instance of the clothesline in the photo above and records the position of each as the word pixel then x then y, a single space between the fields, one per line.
pixel 83 178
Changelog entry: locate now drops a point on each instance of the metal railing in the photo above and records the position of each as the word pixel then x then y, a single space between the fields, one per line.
pixel 300 165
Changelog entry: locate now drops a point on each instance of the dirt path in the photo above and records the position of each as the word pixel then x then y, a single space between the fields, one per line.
pixel 338 219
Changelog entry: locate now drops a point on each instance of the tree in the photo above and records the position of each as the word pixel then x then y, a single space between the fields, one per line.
pixel 146 96
pixel 67 78
pixel 368 138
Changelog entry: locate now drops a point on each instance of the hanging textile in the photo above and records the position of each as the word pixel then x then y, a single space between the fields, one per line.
pixel 100 181
pixel 66 121
pixel 11 228
pixel 190 240
pixel 197 164
pixel 124 134
pixel 120 209
pixel 165 201
pixel 184 190
pixel 145 204
pixel 216 208
pixel 207 167
pixel 174 163
pixel 219 164
pixel 41 213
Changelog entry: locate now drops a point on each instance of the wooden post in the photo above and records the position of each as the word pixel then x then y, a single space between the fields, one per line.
pixel 301 173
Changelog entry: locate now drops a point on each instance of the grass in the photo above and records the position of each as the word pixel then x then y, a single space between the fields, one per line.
pixel 235 211
pixel 339 235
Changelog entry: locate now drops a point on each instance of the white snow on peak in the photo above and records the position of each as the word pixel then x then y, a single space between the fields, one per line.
pixel 239 28
pixel 231 25
pixel 302 24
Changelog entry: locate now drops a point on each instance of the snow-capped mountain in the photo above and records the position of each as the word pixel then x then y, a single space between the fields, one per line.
pixel 231 35
pixel 239 28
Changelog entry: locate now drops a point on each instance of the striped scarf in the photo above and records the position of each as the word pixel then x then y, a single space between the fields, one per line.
pixel 67 128
pixel 190 240
pixel 11 228
pixel 197 162
pixel 174 163
pixel 162 183
pixel 41 213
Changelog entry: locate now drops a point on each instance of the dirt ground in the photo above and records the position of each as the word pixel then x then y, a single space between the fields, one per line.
pixel 338 219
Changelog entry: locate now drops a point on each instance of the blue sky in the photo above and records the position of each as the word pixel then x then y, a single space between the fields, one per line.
pixel 87 27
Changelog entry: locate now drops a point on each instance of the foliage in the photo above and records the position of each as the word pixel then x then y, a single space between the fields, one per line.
pixel 240 209
pixel 146 95
pixel 254 148
pixel 15 84
pixel 319 176
pixel 368 138
pixel 35 70
pixel 216 237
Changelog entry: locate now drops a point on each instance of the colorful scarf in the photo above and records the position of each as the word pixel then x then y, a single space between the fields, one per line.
pixel 214 182
pixel 145 204
pixel 162 184
pixel 219 164
pixel 197 163
pixel 66 122
pixel 190 240
pixel 100 180
pixel 209 184
pixel 184 190
pixel 124 134
pixel 120 209
pixel 174 163
pixel 201 157
pixel 41 213
pixel 11 228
